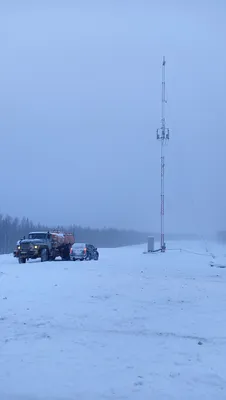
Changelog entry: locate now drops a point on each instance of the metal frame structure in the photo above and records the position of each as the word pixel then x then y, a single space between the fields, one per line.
pixel 163 137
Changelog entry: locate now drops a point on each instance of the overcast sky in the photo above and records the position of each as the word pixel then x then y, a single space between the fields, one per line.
pixel 80 101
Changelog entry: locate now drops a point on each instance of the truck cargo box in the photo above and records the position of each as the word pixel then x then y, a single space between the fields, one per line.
pixel 61 238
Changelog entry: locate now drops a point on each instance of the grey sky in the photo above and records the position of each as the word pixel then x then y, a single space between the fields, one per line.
pixel 80 91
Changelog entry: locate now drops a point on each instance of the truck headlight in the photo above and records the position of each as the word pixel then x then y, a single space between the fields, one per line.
pixel 36 246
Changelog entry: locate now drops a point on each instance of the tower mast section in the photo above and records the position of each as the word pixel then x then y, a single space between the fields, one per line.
pixel 163 137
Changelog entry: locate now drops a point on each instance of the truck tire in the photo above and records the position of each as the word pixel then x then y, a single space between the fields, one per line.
pixel 44 255
pixel 21 260
pixel 66 254
pixel 52 256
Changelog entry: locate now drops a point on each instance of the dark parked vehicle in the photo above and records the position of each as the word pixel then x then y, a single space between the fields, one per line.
pixel 83 251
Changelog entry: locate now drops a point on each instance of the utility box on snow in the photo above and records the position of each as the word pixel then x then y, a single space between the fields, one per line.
pixel 151 244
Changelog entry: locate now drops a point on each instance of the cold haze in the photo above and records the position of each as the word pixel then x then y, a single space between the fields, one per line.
pixel 80 101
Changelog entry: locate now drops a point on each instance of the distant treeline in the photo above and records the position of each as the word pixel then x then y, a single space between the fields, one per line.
pixel 13 229
pixel 221 236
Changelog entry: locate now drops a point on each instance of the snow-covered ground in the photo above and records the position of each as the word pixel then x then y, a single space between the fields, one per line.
pixel 130 326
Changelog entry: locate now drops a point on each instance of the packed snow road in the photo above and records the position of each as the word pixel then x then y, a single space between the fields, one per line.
pixel 130 326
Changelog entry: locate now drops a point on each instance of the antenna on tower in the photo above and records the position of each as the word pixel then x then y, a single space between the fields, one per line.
pixel 163 137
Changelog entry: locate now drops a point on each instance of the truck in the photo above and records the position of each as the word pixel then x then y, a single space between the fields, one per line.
pixel 45 245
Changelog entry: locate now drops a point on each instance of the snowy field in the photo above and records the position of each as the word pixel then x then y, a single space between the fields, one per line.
pixel 130 326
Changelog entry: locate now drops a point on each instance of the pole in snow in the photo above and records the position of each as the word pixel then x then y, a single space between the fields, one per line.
pixel 163 137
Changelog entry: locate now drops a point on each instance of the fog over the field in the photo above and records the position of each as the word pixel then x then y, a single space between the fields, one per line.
pixel 80 101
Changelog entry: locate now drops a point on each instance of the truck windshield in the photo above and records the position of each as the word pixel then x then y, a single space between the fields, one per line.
pixel 37 235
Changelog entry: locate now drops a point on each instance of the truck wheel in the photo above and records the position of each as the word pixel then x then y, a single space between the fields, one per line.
pixel 44 255
pixel 21 260
pixel 52 257
pixel 66 254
